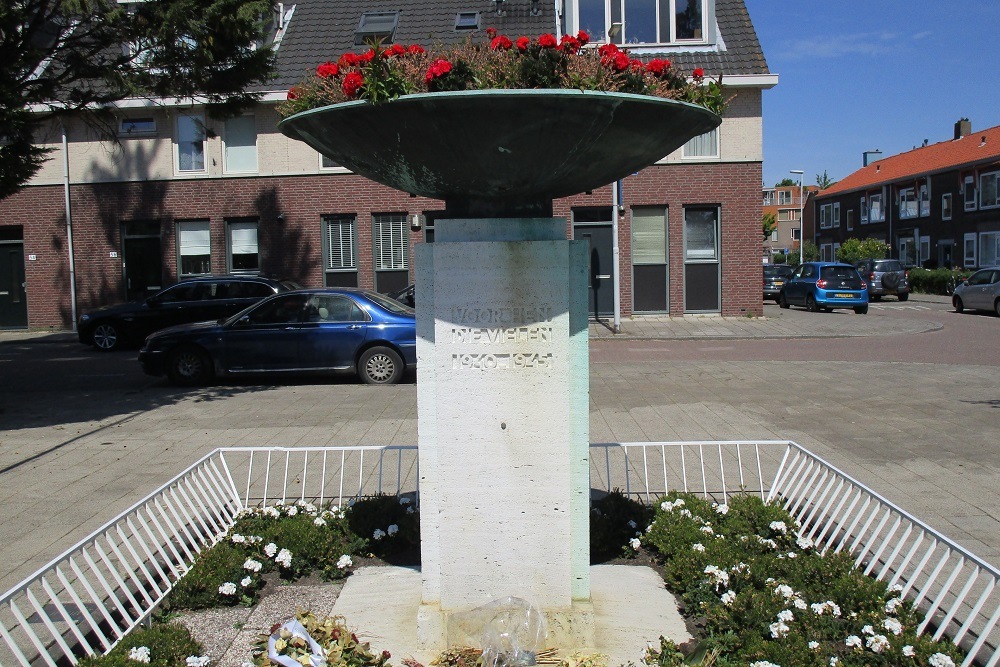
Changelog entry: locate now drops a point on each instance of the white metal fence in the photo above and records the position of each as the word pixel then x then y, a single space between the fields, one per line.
pixel 88 598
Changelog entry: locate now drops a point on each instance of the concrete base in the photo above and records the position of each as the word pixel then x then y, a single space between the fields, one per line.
pixel 629 609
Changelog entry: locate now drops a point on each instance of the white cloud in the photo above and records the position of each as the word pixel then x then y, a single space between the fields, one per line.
pixel 837 46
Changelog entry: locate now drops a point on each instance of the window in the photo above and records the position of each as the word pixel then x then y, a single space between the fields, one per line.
pixel 340 262
pixel 989 248
pixel 875 211
pixel 130 127
pixel 466 21
pixel 702 268
pixel 969 190
pixel 946 206
pixel 989 194
pixel 864 211
pixel 836 214
pixel 244 256
pixel 784 196
pixel 241 145
pixel 769 198
pixel 907 251
pixel 649 235
pixel 644 21
pixel 795 235
pixel 194 248
pixel 826 252
pixel 969 245
pixel 391 251
pixel 190 143
pixel 327 163
pixel 774 235
pixel 702 146
pixel 924 195
pixel 700 235
pixel 788 215
pixel 825 216
pixel 925 249
pixel 376 26
pixel 850 219
pixel 907 204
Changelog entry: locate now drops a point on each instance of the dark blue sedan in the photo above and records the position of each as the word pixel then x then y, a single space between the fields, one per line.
pixel 825 286
pixel 306 331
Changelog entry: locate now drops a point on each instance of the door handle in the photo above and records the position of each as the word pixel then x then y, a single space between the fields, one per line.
pixel 354 326
pixel 604 277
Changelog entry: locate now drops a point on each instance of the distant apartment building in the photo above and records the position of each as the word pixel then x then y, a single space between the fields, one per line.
pixel 785 203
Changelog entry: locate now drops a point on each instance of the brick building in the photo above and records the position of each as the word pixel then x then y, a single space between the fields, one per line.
pixel 181 194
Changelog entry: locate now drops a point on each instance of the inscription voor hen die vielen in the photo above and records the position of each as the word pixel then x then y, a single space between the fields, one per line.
pixel 500 326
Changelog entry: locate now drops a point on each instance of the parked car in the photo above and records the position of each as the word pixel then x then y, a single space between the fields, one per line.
pixel 885 276
pixel 775 276
pixel 980 291
pixel 406 295
pixel 306 331
pixel 192 300
pixel 825 285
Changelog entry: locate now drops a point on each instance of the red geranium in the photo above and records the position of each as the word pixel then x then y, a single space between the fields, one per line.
pixel 607 51
pixel 583 38
pixel 293 93
pixel 416 50
pixel 491 32
pixel 328 69
pixel 501 43
pixel 396 50
pixel 636 65
pixel 548 41
pixel 569 44
pixel 523 43
pixel 366 57
pixel 698 73
pixel 348 60
pixel 437 69
pixel 658 66
pixel 352 84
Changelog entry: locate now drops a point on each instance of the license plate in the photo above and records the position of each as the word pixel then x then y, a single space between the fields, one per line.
pixel 842 295
pixel 779 282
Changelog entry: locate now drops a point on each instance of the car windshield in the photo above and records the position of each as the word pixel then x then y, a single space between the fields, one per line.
pixel 777 271
pixel 888 266
pixel 839 272
pixel 290 285
pixel 389 304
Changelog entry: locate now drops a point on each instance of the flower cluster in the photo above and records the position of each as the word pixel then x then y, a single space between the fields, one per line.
pixel 339 645
pixel 381 74
pixel 142 654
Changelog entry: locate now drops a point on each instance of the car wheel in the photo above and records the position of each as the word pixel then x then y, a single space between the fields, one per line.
pixel 957 302
pixel 875 297
pixel 189 366
pixel 861 310
pixel 811 304
pixel 904 296
pixel 107 337
pixel 380 365
pixel 782 300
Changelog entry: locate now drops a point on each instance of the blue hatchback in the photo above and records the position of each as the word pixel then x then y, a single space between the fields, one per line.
pixel 825 286
pixel 305 331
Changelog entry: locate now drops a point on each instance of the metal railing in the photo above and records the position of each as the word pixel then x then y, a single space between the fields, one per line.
pixel 88 598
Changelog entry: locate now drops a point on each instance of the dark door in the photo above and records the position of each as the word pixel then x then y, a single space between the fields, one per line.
pixel 142 262
pixel 13 300
pixel 600 277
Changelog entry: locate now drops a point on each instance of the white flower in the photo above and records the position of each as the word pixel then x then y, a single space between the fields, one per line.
pixel 270 549
pixel 893 625
pixel 410 510
pixel 254 539
pixel 404 500
pixel 378 534
pixel 344 562
pixel 649 528
pixel 728 598
pixel 698 547
pixel 792 554
pixel 799 603
pixel 814 645
pixel 834 660
pixel 252 565
pixel 667 506
pixel 868 630
pixel 786 615
pixel 197 660
pixel 853 641
pixel 284 558
pixel 940 660
pixel 635 543
pixel 721 577
pixel 228 588
pixel 778 527
pixel 892 605
pixel 785 591
pixel 804 542
pixel 392 530
pixel 763 663
pixel 292 510
pixel 908 651
pixel 896 588
pixel 139 654
pixel 633 525
pixel 707 530
pixel 685 513
pixel 245 581
pixel 739 567
pixel 779 630
pixel 238 539
pixel 271 512
pixel 877 643
pixel 319 521
pixel 722 509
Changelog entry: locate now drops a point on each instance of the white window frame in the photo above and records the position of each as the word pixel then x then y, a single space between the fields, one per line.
pixel 615 15
pixel 794 233
pixel 196 121
pixel 785 197
pixel 836 214
pixel 985 179
pixel 137 127
pixel 769 198
pixel 924 200
pixel 824 252
pixel 193 236
pixel 989 248
pixel 969 192
pixel 236 157
pixel 242 238
pixel 969 246
pixel 703 147
pixel 864 210
pixel 946 206
pixel 907 203
pixel 873 200
pixel 904 245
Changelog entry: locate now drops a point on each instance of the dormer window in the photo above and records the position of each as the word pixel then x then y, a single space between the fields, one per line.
pixel 376 26
pixel 632 22
pixel 466 21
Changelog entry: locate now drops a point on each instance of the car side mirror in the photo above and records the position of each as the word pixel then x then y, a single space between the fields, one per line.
pixel 153 302
pixel 242 322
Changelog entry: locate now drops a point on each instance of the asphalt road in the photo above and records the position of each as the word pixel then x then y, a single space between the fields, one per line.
pixel 916 416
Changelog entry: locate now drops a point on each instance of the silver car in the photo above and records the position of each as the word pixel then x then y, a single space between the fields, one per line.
pixel 981 291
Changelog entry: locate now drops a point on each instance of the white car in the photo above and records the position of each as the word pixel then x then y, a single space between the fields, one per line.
pixel 981 291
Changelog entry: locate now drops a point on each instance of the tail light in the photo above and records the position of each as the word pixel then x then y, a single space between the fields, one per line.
pixel 821 283
pixel 864 285
pixel 906 274
pixel 871 276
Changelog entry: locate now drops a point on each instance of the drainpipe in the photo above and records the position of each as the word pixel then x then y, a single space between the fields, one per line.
pixel 616 199
pixel 69 228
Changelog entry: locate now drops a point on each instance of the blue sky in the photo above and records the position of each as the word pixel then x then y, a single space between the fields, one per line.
pixel 858 75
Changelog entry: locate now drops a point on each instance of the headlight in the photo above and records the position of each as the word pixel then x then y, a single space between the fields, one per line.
pixel 84 317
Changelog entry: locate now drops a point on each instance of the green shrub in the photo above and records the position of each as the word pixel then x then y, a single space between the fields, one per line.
pixel 389 526
pixel 169 646
pixel 854 250
pixel 614 520
pixel 936 281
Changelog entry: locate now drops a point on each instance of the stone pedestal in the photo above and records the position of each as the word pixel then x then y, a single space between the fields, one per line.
pixel 503 424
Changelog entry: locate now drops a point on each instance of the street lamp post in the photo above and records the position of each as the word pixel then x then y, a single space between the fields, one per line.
pixel 801 209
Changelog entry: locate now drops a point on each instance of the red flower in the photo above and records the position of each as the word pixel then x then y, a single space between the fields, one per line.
pixel 437 69
pixel 658 66
pixel 583 38
pixel 352 84
pixel 386 655
pixel 396 50
pixel 522 43
pixel 501 43
pixel 607 51
pixel 636 65
pixel 548 41
pixel 569 44
pixel 698 73
pixel 366 57
pixel 491 32
pixel 293 93
pixel 620 61
pixel 328 69
pixel 348 60
pixel 416 50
